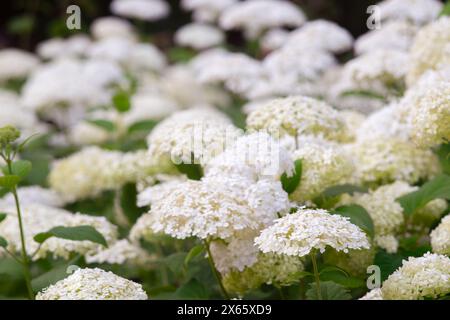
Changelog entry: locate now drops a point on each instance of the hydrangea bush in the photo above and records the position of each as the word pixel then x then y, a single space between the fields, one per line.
pixel 298 163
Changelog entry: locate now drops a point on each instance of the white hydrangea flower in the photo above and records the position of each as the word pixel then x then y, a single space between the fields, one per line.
pixel 206 10
pixel 107 27
pixel 199 36
pixel 253 156
pixel 379 72
pixel 440 237
pixel 34 195
pixel 70 82
pixel 379 160
pixel 256 16
pixel 147 10
pixel 270 268
pixel 121 252
pixel 416 11
pixel 354 120
pixel 93 284
pixel 13 113
pixel 201 209
pixel 92 170
pixel 274 39
pixel 430 49
pixel 430 114
pixel 397 35
pixel 38 218
pixel 388 242
pixel 157 192
pixel 16 64
pixel 198 133
pixel 308 229
pixel 57 48
pixel 296 116
pixel 374 294
pixel 319 35
pixel 323 165
pixel 417 278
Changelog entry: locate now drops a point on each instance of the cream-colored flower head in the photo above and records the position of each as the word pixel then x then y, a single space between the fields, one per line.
pixel 426 276
pixel 381 73
pixel 319 34
pixel 93 284
pixel 379 160
pixel 206 10
pixel 16 64
pixel 298 116
pixel 92 170
pixel 397 35
pixel 121 252
pixel 106 27
pixel 39 218
pixel 418 12
pixel 254 156
pixel 311 229
pixel 34 195
pixel 323 165
pixel 430 49
pixel 147 10
pixel 440 237
pixel 256 16
pixel 192 136
pixel 199 36
pixel 430 114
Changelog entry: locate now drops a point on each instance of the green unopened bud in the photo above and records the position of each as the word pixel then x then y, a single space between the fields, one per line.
pixel 8 135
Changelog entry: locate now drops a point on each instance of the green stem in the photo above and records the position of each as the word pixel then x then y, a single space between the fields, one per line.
pixel 316 274
pixel 25 260
pixel 215 272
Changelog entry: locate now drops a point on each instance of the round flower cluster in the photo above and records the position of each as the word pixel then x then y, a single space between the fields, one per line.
pixel 34 195
pixel 306 230
pixel 93 284
pixel 147 10
pixel 297 116
pixel 92 170
pixel 418 278
pixel 39 218
pixel 199 36
pixel 323 165
pixel 16 64
pixel 378 161
pixel 416 11
pixel 440 237
pixel 430 49
pixel 206 10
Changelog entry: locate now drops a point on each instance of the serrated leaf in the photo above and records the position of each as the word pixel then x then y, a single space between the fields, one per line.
pixel 343 188
pixel 329 291
pixel 3 216
pixel 291 183
pixel 9 181
pixel 121 101
pixel 103 124
pixel 142 126
pixel 358 216
pixel 21 168
pixel 78 233
pixel 437 188
pixel 195 251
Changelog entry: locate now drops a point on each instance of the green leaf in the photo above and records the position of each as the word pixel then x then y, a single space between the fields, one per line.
pixel 341 278
pixel 128 200
pixel 142 126
pixel 364 94
pixel 3 216
pixel 335 191
pixel 121 101
pixel 192 171
pixel 21 168
pixel 54 275
pixel 291 183
pixel 329 291
pixel 103 124
pixel 328 269
pixel 3 242
pixel 443 153
pixel 358 216
pixel 193 289
pixel 180 54
pixel 387 262
pixel 445 10
pixel 79 233
pixel 437 188
pixel 9 181
pixel 175 262
pixel 195 251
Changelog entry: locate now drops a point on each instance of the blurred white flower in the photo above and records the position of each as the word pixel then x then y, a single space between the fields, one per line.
pixel 148 10
pixel 16 64
pixel 72 47
pixel 419 12
pixel 440 237
pixel 110 27
pixel 206 10
pixel 199 36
